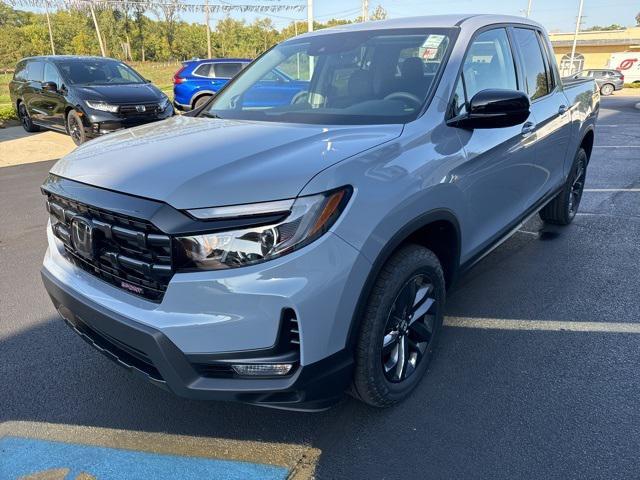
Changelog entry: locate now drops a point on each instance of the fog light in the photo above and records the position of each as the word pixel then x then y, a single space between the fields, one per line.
pixel 264 369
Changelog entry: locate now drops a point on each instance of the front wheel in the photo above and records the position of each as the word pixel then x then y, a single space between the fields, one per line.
pixel 75 127
pixel 607 89
pixel 563 208
pixel 400 327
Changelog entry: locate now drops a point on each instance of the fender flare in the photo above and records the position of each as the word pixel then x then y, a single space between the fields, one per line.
pixel 440 214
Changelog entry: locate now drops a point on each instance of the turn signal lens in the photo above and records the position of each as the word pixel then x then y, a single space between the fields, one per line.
pixel 263 369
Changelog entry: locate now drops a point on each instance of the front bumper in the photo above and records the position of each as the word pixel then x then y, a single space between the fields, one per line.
pixel 148 353
pixel 98 123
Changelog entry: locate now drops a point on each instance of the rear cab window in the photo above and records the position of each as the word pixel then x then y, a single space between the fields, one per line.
pixel 535 68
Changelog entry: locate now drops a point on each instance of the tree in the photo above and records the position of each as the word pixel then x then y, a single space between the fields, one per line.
pixel 638 18
pixel 596 28
pixel 379 13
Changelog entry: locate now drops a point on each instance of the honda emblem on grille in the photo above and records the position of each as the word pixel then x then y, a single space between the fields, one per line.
pixel 140 108
pixel 82 237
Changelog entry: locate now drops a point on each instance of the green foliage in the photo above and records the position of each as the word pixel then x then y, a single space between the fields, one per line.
pixel 599 28
pixel 7 113
pixel 632 85
pixel 132 35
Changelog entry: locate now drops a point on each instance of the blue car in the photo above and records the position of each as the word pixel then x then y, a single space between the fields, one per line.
pixel 199 80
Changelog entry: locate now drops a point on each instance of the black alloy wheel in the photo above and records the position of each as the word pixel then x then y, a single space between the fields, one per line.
pixel 410 326
pixel 25 120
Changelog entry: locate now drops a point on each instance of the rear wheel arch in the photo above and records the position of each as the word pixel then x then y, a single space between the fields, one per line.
pixel 200 95
pixel 587 143
pixel 437 230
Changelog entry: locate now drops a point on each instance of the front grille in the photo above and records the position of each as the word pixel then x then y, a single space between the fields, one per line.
pixel 128 253
pixel 132 110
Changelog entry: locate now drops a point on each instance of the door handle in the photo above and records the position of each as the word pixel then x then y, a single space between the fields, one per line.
pixel 563 109
pixel 528 128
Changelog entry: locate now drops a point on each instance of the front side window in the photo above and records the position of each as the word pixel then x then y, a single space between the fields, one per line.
pixel 51 74
pixel 488 65
pixel 98 72
pixel 536 80
pixel 370 77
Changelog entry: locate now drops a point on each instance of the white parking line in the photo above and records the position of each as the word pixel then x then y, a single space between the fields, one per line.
pixel 612 190
pixel 542 325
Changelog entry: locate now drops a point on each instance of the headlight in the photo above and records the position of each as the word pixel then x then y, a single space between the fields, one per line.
pixel 102 106
pixel 164 104
pixel 308 218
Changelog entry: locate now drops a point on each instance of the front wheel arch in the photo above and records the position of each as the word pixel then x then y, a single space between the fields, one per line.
pixel 410 233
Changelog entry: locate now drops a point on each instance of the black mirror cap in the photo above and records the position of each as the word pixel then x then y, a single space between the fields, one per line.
pixel 50 86
pixel 494 108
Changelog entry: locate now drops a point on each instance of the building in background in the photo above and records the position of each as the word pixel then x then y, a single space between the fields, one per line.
pixel 594 49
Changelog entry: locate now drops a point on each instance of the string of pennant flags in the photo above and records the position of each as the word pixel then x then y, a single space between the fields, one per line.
pixel 151 4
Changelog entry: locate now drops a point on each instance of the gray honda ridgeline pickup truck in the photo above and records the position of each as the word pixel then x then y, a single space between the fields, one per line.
pixel 283 253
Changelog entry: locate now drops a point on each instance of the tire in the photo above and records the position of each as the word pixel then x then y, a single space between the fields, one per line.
pixel 75 128
pixel 200 101
pixel 563 208
pixel 607 89
pixel 25 119
pixel 413 273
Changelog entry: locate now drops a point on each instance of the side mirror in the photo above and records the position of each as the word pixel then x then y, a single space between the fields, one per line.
pixel 49 86
pixel 494 108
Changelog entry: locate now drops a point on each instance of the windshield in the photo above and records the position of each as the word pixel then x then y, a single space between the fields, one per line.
pixel 370 77
pixel 97 72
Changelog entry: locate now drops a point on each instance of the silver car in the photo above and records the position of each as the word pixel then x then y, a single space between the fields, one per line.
pixel 608 81
pixel 283 254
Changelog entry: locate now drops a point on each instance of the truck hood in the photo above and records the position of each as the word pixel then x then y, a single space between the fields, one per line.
pixel 192 162
pixel 119 94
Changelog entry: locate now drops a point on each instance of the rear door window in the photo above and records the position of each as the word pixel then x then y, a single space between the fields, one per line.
pixel 35 71
pixel 227 70
pixel 21 72
pixel 536 80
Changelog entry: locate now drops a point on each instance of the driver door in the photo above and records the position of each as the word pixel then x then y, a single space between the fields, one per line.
pixel 495 175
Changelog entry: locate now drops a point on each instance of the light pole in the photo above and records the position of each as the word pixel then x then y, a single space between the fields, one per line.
pixel 529 8
pixel 575 35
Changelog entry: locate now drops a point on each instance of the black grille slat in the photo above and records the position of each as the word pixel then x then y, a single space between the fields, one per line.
pixel 131 110
pixel 128 250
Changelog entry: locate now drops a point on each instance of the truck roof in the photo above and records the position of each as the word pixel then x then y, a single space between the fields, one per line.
pixel 430 21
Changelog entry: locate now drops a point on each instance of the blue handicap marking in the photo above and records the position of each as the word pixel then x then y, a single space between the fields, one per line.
pixel 22 457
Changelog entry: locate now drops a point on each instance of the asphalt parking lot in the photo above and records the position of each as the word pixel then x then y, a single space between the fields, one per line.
pixel 511 393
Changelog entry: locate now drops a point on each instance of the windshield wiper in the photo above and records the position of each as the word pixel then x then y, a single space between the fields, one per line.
pixel 211 115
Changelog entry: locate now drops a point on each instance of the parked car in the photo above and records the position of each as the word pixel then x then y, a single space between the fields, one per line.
pixel 84 96
pixel 283 254
pixel 198 80
pixel 608 81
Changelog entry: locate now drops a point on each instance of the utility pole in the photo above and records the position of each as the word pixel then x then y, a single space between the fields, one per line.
pixel 46 11
pixel 529 8
pixel 310 29
pixel 206 21
pixel 365 10
pixel 95 24
pixel 310 15
pixel 575 35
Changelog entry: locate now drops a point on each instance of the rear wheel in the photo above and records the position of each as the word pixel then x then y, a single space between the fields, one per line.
pixel 400 327
pixel 75 127
pixel 562 209
pixel 25 119
pixel 607 89
pixel 201 101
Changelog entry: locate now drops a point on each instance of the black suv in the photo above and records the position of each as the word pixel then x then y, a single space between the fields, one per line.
pixel 84 96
